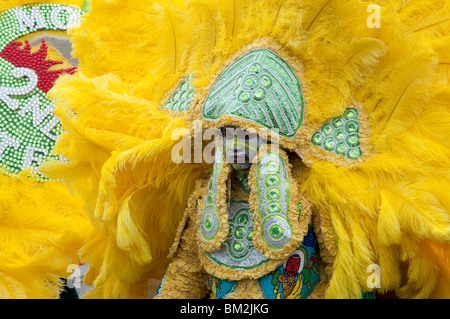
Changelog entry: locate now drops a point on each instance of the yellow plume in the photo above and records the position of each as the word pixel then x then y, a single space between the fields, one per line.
pixel 389 209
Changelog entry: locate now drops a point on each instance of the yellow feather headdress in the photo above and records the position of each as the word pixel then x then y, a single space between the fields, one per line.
pixel 386 202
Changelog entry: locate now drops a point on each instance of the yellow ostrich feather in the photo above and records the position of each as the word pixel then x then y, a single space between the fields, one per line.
pixel 389 209
pixel 42 227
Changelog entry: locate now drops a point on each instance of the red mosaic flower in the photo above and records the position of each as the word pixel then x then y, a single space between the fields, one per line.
pixel 35 61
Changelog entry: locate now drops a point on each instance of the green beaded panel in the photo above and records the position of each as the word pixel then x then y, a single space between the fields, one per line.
pixel 20 21
pixel 209 218
pixel 24 142
pixel 273 193
pixel 240 235
pixel 182 98
pixel 28 127
pixel 340 135
pixel 261 87
pixel 238 251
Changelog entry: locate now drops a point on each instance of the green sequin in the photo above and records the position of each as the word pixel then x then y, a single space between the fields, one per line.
pixel 239 232
pixel 272 180
pixel 340 135
pixel 208 223
pixel 273 194
pixel 272 167
pixel 261 87
pixel 243 219
pixel 238 246
pixel 273 208
pixel 276 232
pixel 182 97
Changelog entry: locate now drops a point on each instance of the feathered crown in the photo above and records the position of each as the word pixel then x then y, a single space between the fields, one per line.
pixel 42 224
pixel 365 108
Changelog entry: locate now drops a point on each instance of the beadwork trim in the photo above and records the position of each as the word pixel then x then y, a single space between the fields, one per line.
pixel 182 97
pixel 273 200
pixel 225 272
pixel 261 87
pixel 28 127
pixel 288 218
pixel 190 97
pixel 23 20
pixel 301 141
pixel 238 251
pixel 340 135
pixel 299 220
pixel 311 151
pixel 213 223
pixel 291 143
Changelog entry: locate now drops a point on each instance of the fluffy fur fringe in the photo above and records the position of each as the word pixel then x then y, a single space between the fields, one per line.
pixel 391 210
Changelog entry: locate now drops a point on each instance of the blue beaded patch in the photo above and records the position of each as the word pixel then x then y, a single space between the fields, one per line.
pixel 297 277
pixel 221 288
pixel 368 295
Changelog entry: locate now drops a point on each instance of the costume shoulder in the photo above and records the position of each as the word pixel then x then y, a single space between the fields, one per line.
pixel 190 213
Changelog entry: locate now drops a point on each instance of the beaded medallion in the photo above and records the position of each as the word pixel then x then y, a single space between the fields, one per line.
pixel 340 135
pixel 261 87
pixel 28 127
pixel 237 251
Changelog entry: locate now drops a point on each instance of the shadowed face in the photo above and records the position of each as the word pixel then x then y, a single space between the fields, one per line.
pixel 240 146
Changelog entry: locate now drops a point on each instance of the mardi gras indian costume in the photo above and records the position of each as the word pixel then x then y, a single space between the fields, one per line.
pixel 346 193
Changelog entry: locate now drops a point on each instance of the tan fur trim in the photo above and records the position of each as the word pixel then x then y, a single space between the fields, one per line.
pixel 299 228
pixel 189 211
pixel 312 153
pixel 185 277
pixel 221 205
pixel 325 236
pixel 321 286
pixel 225 272
pixel 297 67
